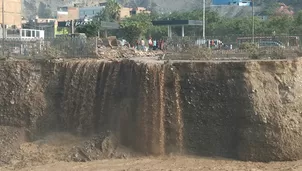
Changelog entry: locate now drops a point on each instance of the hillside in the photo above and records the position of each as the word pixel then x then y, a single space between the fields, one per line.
pixel 295 4
pixel 33 7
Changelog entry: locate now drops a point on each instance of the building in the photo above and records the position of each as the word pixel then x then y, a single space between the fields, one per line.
pixel 220 2
pixel 75 13
pixel 103 4
pixel 284 10
pixel 45 24
pixel 139 10
pixel 128 12
pixel 12 13
pixel 241 2
pixel 67 13
pixel 90 12
pixel 125 12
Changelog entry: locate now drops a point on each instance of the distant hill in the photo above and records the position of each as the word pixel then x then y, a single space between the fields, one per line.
pixel 33 7
pixel 235 11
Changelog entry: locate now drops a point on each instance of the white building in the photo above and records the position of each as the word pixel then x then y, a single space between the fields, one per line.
pixel 241 2
pixel 23 34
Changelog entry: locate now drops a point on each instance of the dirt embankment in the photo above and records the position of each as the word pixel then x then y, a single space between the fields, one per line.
pixel 243 110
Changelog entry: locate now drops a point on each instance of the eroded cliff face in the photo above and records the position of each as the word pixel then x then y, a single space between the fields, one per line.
pixel 275 90
pixel 244 110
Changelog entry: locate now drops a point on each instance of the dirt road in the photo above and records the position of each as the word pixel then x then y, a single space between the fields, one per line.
pixel 172 163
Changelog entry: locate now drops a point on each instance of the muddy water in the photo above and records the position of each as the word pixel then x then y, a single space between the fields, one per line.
pixel 201 108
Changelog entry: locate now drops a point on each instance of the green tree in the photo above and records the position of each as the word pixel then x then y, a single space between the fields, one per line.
pixel 135 27
pixel 270 8
pixel 298 18
pixel 110 13
pixel 280 24
pixel 91 29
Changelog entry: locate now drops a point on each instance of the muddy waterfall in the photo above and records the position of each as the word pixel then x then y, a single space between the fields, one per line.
pixel 244 110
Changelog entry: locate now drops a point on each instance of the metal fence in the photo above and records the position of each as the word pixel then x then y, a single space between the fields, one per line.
pixel 63 47
pixel 234 47
pixel 177 47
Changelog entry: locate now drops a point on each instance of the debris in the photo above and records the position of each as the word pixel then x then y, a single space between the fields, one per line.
pixel 124 52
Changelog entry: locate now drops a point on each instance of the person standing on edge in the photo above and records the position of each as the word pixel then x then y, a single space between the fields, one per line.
pixel 150 42
pixel 142 44
pixel 162 45
pixel 159 44
pixel 137 44
pixel 154 45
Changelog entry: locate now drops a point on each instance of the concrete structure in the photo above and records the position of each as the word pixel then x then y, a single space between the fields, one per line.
pixel 45 20
pixel 125 12
pixel 12 13
pixel 67 13
pixel 128 12
pixel 181 23
pixel 90 12
pixel 65 27
pixel 75 13
pixel 46 24
pixel 139 10
pixel 241 2
pixel 23 34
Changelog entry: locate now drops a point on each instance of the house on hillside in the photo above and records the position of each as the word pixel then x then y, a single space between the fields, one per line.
pixel 90 12
pixel 139 10
pixel 127 12
pixel 245 3
pixel 284 10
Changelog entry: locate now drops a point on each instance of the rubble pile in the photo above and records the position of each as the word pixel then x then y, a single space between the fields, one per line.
pixel 124 52
pixel 112 48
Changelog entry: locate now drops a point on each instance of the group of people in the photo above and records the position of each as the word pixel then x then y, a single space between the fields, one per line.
pixel 152 44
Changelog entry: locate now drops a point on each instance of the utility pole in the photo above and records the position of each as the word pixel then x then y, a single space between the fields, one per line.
pixel 3 28
pixel 253 29
pixel 72 26
pixel 204 21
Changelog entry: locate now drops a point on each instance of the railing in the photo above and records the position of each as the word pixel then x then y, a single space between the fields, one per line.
pixel 49 47
pixel 192 48
pixel 176 48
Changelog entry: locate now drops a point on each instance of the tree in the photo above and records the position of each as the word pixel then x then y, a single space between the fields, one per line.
pixel 110 13
pixel 136 26
pixel 44 11
pixel 298 18
pixel 91 29
pixel 270 8
pixel 280 24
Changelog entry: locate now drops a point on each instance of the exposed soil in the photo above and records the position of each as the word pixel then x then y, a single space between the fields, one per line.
pixel 167 163
pixel 57 115
pixel 57 147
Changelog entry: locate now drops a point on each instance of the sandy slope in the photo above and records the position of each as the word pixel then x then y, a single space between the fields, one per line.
pixel 169 164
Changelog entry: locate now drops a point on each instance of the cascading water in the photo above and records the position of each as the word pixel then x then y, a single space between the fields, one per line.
pixel 155 108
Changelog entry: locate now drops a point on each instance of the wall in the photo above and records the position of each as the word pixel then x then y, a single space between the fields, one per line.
pixel 69 13
pixel 125 12
pixel 89 11
pixel 12 12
